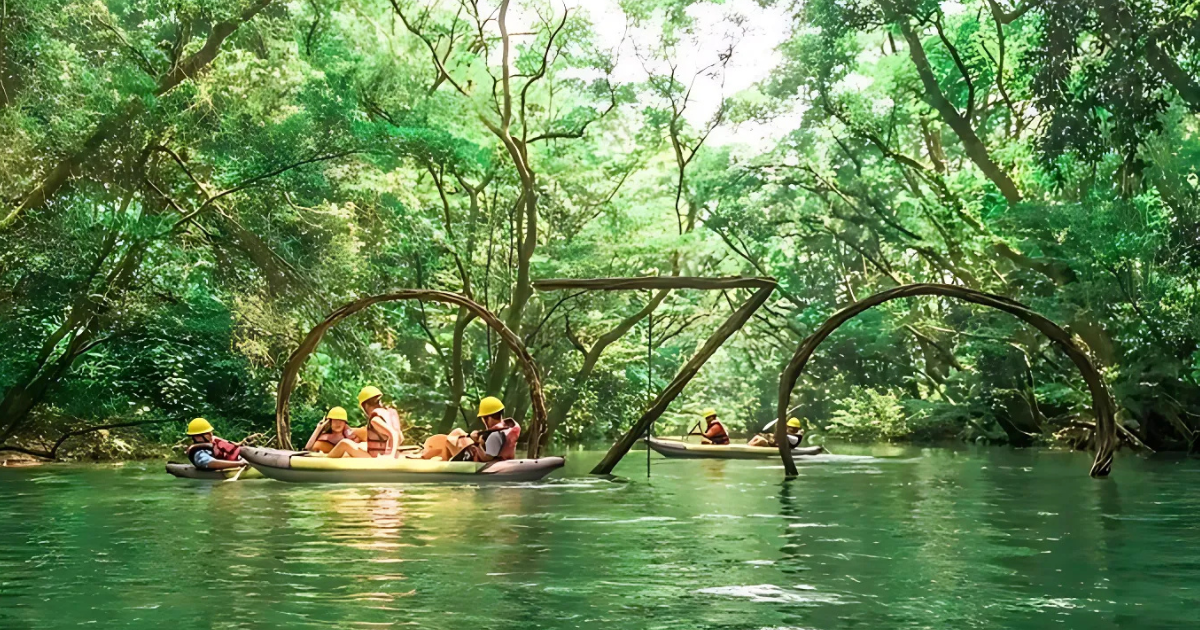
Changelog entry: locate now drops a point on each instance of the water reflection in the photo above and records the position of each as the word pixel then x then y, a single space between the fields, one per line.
pixel 933 538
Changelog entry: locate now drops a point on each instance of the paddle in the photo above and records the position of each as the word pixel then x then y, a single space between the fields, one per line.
pixel 237 474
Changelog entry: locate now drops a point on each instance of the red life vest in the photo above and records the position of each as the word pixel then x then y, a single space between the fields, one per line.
pixel 226 450
pixel 220 449
pixel 511 432
pixel 720 437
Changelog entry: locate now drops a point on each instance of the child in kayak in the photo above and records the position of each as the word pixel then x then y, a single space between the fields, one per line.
pixel 332 430
pixel 208 452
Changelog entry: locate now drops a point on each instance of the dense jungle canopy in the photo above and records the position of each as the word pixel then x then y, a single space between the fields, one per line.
pixel 188 186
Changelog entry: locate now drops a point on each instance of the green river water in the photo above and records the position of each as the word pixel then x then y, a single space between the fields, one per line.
pixel 908 538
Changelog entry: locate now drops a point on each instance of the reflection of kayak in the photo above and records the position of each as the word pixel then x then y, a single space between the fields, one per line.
pixel 676 448
pixel 188 471
pixel 306 467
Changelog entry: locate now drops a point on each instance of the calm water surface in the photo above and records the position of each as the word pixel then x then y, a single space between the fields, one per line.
pixel 911 538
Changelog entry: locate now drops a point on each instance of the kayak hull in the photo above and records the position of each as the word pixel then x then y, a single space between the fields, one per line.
pixel 684 450
pixel 300 467
pixel 188 471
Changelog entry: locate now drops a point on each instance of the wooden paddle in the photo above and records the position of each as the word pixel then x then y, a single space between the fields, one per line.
pixel 237 474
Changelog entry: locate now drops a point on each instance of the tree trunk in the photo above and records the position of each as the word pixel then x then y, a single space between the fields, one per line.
pixel 1120 24
pixel 521 292
pixel 115 125
pixel 1183 83
pixel 685 375
pixel 82 323
pixel 973 146
pixel 457 382
pixel 570 394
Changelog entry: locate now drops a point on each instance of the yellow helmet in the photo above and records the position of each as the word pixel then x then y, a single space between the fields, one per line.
pixel 337 413
pixel 199 426
pixel 489 406
pixel 367 393
pixel 710 412
pixel 794 422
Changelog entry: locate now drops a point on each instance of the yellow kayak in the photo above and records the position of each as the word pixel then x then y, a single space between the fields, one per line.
pixel 305 467
pixel 688 450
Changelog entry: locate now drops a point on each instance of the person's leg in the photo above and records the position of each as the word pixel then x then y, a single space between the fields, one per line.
pixel 435 448
pixel 339 449
pixel 321 446
pixel 356 449
pixel 757 440
pixel 348 448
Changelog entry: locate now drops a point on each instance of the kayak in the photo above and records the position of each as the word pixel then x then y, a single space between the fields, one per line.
pixel 188 471
pixel 676 448
pixel 304 467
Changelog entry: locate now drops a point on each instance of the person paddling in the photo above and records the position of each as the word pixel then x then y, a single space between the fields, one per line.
pixel 332 430
pixel 499 439
pixel 714 431
pixel 795 434
pixel 208 452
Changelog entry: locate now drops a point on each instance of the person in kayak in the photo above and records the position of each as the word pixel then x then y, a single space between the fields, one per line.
pixel 384 433
pixel 499 439
pixel 714 431
pixel 795 435
pixel 332 430
pixel 208 452
pixel 445 446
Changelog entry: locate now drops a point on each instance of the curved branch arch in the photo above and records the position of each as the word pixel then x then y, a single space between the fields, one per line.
pixel 1102 401
pixel 291 370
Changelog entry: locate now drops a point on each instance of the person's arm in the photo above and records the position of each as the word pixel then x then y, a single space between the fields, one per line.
pixel 711 432
pixel 317 432
pixel 492 446
pixel 222 464
pixel 204 460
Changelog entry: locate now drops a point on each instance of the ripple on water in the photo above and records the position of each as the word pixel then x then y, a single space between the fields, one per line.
pixel 956 541
pixel 759 593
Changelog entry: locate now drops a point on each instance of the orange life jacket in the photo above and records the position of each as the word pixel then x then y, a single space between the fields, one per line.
pixel 719 437
pixel 333 437
pixel 377 443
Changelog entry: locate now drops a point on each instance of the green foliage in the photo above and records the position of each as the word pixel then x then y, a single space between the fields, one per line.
pixel 869 416
pixel 1047 153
